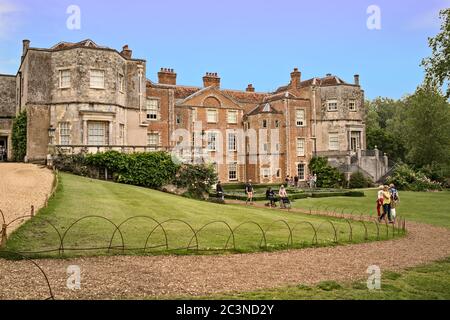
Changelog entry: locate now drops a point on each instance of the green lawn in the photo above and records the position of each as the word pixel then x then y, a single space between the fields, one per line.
pixel 427 207
pixel 429 282
pixel 78 197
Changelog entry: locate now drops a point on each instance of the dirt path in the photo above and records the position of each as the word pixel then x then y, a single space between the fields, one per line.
pixel 22 185
pixel 139 277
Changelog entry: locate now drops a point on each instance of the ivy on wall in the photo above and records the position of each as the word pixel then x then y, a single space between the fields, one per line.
pixel 19 137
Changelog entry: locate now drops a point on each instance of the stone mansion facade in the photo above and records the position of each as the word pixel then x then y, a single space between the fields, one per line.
pixel 82 96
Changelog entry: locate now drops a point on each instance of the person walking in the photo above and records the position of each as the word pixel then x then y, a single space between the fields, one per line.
pixel 395 199
pixel 270 195
pixel 249 191
pixel 219 191
pixel 380 200
pixel 314 181
pixel 386 205
pixel 283 196
pixel 296 179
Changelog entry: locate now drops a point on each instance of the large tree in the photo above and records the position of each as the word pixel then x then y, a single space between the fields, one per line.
pixel 437 67
pixel 425 127
pixel 380 127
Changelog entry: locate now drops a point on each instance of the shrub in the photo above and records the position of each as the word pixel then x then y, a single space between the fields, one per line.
pixel 358 180
pixel 197 178
pixel 406 178
pixel 149 169
pixel 327 176
pixel 19 137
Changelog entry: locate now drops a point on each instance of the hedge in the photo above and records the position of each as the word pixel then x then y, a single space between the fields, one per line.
pixel 296 196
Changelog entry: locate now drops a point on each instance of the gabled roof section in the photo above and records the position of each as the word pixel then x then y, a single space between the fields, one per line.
pixel 264 108
pixel 196 97
pixel 329 80
pixel 85 43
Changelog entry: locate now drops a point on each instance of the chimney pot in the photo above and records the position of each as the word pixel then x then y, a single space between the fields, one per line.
pixel 211 80
pixel 328 74
pixel 295 78
pixel 126 52
pixel 356 77
pixel 250 88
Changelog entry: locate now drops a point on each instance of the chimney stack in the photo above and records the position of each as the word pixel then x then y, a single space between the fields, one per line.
pixel 26 46
pixel 211 80
pixel 126 52
pixel 295 78
pixel 167 76
pixel 356 76
pixel 250 88
pixel 328 75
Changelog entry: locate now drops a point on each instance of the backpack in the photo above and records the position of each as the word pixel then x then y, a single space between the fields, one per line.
pixel 394 194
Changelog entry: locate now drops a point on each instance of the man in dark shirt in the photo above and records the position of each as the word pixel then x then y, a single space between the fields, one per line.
pixel 219 190
pixel 249 191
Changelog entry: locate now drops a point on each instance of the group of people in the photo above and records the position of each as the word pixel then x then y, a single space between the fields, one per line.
pixel 283 197
pixel 387 201
pixel 311 180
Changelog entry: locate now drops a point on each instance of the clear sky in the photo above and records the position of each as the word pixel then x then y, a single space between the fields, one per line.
pixel 245 41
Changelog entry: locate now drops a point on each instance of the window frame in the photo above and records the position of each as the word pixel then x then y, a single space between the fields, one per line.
pixel 209 135
pixel 352 101
pixel 330 136
pixel 64 132
pixel 92 84
pixel 303 118
pixel 216 117
pixel 61 71
pixel 152 111
pixel 230 112
pixel 300 154
pixel 332 101
pixel 236 170
pixel 234 140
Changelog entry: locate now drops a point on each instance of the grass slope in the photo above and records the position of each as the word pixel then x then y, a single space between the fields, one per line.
pixel 78 197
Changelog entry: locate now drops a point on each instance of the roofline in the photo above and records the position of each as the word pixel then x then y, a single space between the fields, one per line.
pixel 87 48
pixel 7 75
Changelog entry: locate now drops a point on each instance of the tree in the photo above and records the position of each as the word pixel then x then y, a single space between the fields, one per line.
pixel 327 176
pixel 426 127
pixel 381 127
pixel 437 67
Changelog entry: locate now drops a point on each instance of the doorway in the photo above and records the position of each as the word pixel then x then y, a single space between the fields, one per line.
pixel 355 140
pixel 3 148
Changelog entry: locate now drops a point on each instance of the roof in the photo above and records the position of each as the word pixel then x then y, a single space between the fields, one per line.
pixel 329 80
pixel 264 108
pixel 182 92
pixel 85 43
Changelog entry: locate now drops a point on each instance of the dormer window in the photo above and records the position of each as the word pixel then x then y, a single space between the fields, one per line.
pixel 332 105
pixel 266 108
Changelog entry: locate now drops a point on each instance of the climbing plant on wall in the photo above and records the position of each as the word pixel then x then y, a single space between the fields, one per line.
pixel 19 137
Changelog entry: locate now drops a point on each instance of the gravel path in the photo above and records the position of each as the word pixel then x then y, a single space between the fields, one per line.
pixel 139 277
pixel 22 185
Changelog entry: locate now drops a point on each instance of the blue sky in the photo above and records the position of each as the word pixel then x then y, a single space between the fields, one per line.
pixel 253 41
